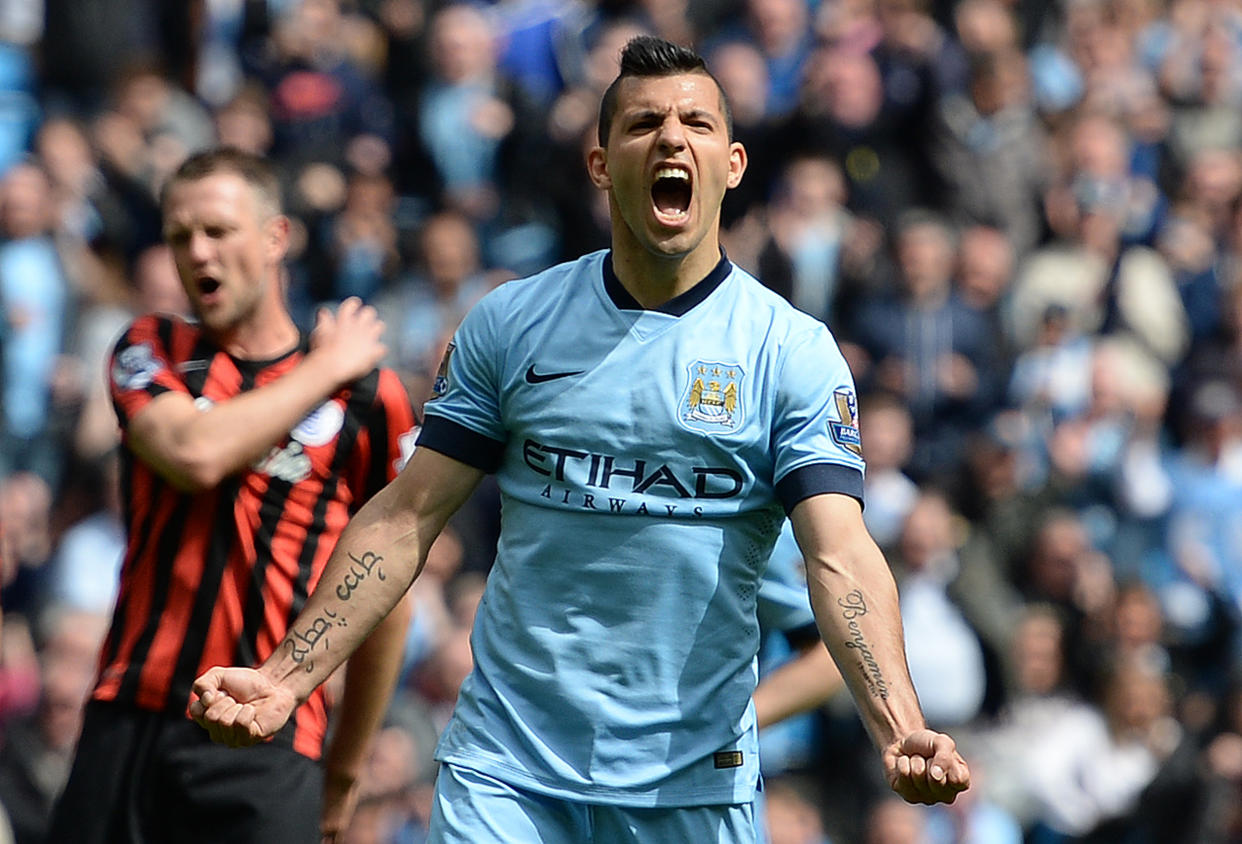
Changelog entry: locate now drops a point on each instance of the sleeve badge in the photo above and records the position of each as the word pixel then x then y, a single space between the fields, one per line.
pixel 845 433
pixel 135 367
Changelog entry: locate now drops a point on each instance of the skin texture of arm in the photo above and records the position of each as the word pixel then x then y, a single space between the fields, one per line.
pixel 377 558
pixel 370 677
pixel 856 608
pixel 196 449
pixel 798 686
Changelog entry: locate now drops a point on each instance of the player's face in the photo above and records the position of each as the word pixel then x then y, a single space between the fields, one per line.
pixel 227 247
pixel 667 164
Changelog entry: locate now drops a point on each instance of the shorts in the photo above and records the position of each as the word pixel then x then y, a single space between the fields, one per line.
pixel 144 777
pixel 473 808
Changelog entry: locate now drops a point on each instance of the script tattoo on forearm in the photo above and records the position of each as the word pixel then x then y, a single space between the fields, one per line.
pixel 303 642
pixel 853 607
pixel 361 569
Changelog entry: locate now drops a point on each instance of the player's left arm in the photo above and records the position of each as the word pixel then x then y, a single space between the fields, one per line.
pixel 856 608
pixel 371 672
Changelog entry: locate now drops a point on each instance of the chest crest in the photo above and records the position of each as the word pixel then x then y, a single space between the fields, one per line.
pixel 712 400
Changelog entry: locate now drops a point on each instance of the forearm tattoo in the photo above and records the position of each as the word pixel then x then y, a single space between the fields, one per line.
pixel 302 643
pixel 361 569
pixel 853 607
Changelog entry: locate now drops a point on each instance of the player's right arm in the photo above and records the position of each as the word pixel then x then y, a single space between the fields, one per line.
pixel 195 449
pixel 377 558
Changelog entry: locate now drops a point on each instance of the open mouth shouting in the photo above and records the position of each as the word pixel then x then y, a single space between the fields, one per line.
pixel 208 288
pixel 671 193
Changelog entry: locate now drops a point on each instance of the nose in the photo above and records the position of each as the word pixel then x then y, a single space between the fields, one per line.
pixel 199 246
pixel 672 134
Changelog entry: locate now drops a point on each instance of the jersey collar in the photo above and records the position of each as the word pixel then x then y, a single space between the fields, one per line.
pixel 678 305
pixel 257 365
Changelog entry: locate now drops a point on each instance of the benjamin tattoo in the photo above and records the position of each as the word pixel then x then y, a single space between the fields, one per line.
pixel 853 607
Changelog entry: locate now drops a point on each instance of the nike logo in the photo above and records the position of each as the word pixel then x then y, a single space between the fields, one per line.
pixel 533 377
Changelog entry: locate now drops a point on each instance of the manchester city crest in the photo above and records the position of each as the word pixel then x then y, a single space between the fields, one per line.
pixel 712 401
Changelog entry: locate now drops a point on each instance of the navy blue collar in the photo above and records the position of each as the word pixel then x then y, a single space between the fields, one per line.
pixel 678 305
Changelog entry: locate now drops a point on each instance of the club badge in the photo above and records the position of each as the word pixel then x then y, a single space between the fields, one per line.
pixel 712 401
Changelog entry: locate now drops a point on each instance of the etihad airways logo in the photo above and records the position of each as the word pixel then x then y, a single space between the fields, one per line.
pixel 596 481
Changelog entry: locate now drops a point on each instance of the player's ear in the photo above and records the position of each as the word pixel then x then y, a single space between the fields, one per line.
pixel 276 237
pixel 597 168
pixel 737 164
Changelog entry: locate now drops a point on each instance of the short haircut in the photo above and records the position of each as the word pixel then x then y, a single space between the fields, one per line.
pixel 648 56
pixel 255 170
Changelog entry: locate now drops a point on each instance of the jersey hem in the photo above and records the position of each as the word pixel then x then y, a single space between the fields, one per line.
pixel 648 797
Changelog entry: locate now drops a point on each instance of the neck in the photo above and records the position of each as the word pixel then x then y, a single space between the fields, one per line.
pixel 655 279
pixel 266 334
pixel 266 343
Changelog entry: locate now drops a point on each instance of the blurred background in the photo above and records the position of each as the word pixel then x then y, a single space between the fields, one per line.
pixel 1021 219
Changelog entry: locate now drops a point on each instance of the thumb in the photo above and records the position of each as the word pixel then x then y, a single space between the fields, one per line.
pixel 208 684
pixel 919 743
pixel 937 748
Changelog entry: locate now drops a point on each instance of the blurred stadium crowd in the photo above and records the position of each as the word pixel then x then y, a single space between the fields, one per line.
pixel 1022 220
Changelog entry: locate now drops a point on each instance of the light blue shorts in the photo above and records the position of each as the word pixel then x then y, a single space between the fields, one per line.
pixel 473 808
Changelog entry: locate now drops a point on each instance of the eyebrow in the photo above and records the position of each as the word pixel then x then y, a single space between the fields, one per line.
pixel 691 114
pixel 702 114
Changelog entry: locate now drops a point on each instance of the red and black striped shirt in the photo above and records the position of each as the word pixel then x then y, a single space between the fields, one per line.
pixel 216 577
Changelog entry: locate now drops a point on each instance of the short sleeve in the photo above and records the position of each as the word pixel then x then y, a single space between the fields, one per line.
pixel 463 414
pixel 140 368
pixel 815 434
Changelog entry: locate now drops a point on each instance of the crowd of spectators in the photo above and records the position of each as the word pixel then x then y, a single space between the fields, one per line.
pixel 1021 219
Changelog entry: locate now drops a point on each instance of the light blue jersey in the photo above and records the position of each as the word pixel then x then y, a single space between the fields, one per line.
pixel 643 457
pixel 786 623
pixel 784 604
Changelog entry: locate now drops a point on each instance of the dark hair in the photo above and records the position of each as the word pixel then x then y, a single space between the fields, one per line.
pixel 646 55
pixel 255 170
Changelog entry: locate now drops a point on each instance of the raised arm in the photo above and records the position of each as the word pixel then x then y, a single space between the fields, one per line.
pixel 377 558
pixel 196 449
pixel 856 609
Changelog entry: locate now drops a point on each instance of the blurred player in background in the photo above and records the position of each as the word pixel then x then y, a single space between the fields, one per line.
pixel 247 446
